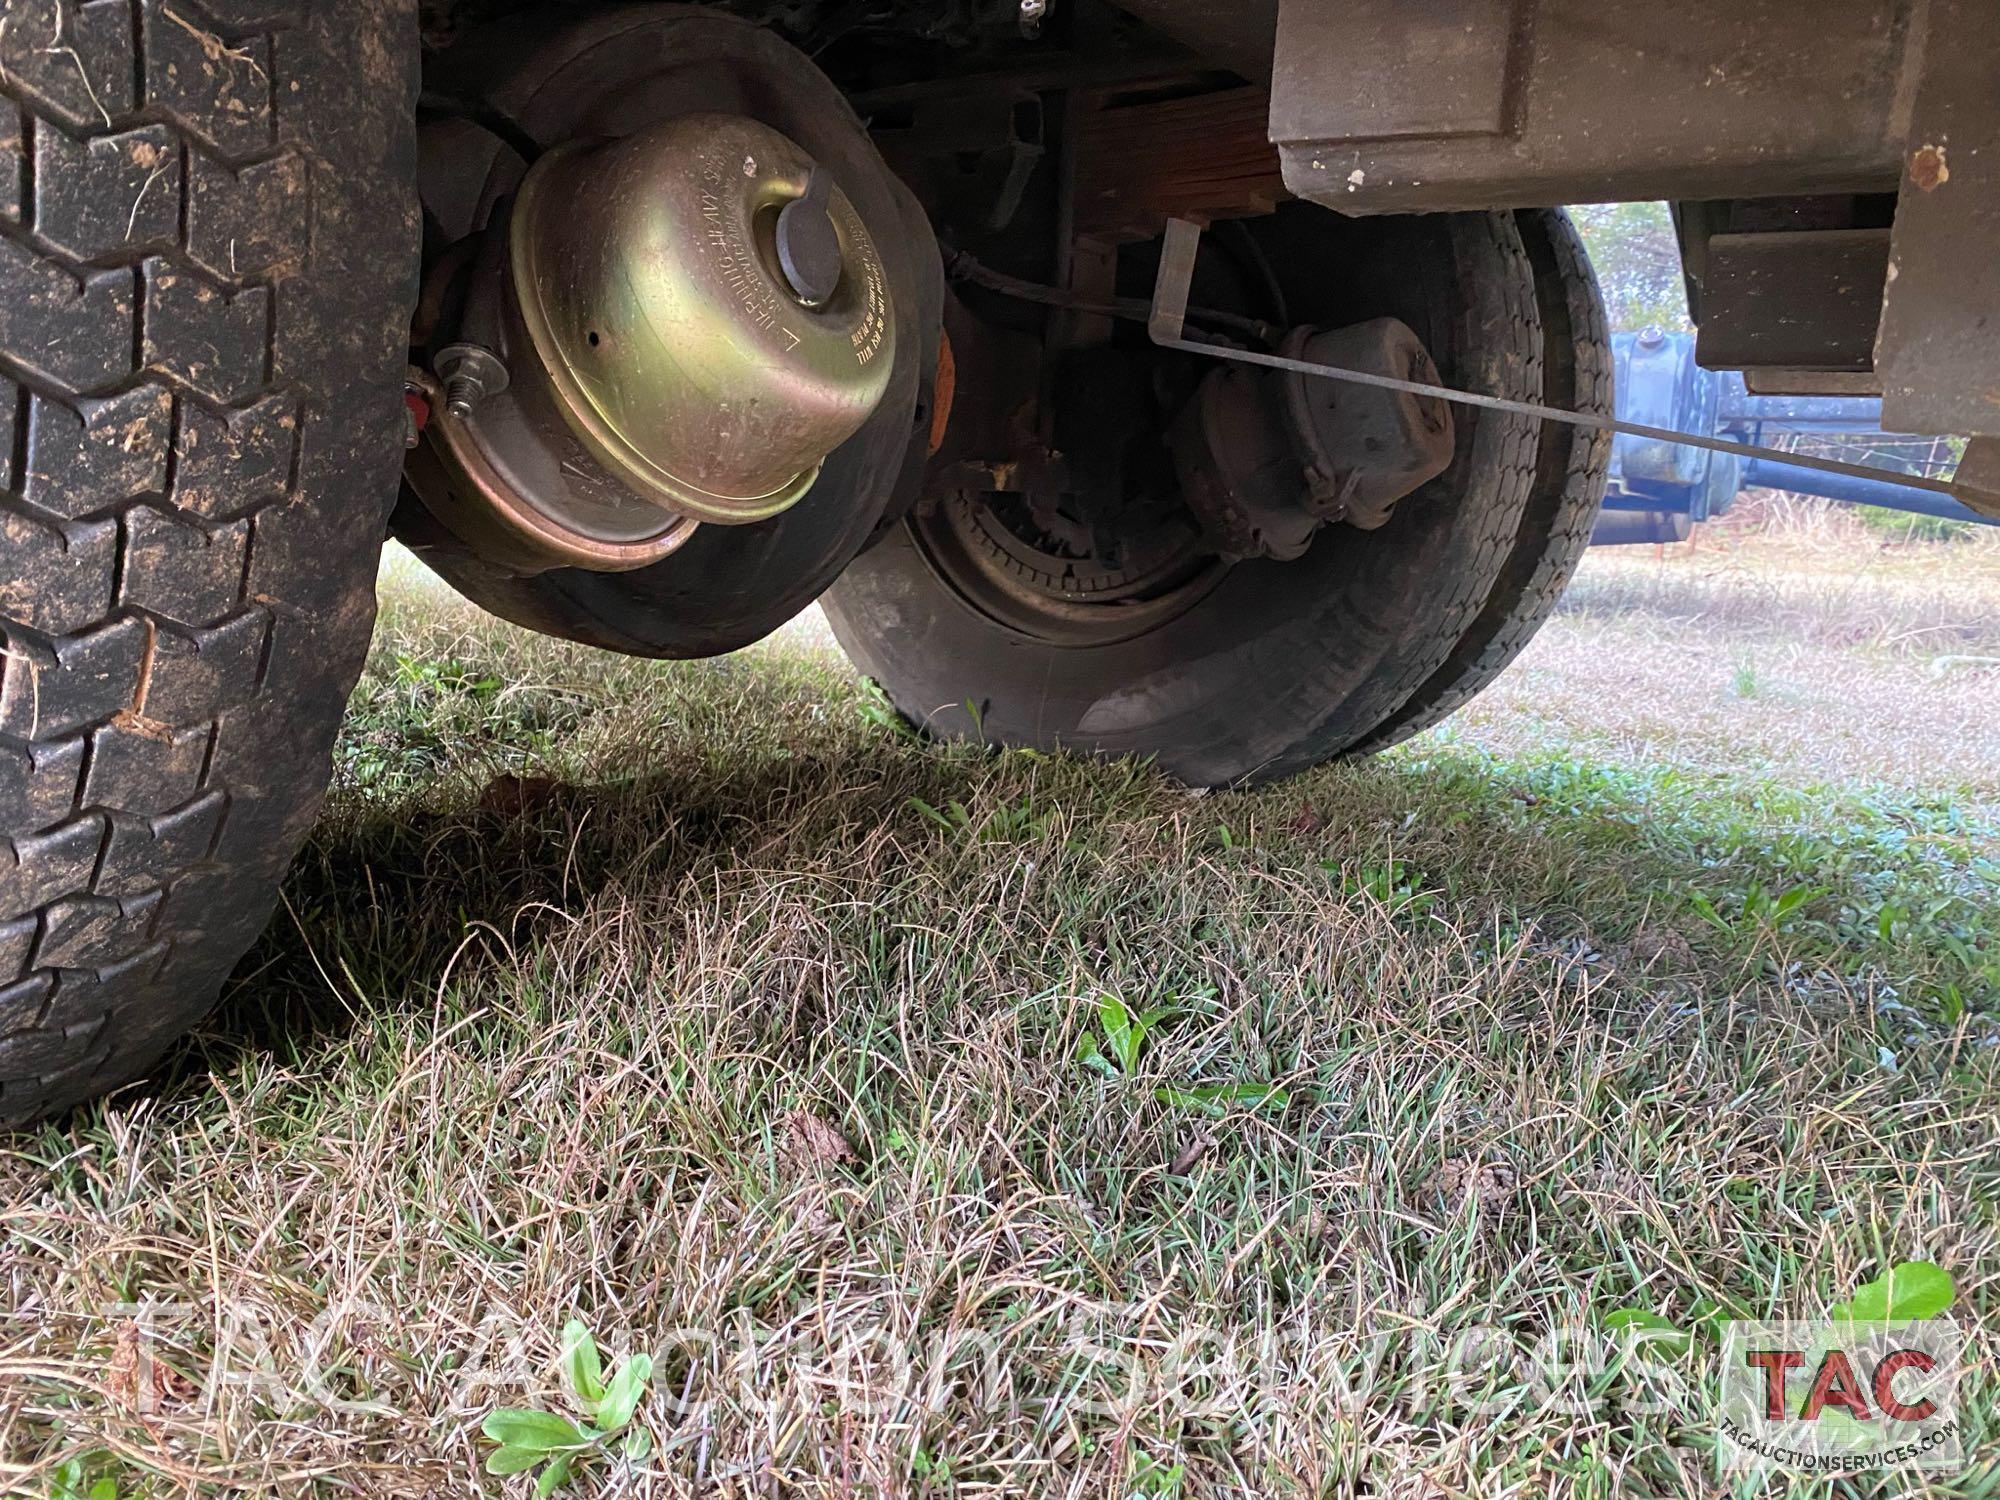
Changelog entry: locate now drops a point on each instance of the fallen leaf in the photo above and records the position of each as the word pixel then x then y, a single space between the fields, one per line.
pixel 811 1143
pixel 122 1379
pixel 1490 1185
pixel 1189 1156
pixel 170 1386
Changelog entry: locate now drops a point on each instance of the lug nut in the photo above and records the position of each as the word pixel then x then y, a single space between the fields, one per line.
pixel 471 373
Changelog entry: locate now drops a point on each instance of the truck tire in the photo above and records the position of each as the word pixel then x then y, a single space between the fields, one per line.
pixel 1277 666
pixel 1569 482
pixel 208 236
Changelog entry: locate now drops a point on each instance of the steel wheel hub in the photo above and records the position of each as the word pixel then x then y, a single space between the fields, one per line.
pixel 693 353
pixel 672 328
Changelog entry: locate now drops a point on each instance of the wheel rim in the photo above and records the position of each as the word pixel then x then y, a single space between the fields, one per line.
pixel 1082 587
pixel 1030 546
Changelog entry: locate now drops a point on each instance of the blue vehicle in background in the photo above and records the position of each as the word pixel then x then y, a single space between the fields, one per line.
pixel 1657 491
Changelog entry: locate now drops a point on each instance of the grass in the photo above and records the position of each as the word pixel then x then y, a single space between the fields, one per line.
pixel 1869 664
pixel 702 1004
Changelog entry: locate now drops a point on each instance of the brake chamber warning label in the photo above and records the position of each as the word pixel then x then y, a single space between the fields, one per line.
pixel 725 238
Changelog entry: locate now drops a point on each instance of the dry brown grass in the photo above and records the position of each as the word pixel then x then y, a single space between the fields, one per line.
pixel 1797 645
pixel 687 1020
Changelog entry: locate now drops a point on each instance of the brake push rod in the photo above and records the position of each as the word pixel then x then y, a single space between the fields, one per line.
pixel 1167 326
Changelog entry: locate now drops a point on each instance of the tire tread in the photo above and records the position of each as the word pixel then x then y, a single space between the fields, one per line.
pixel 207 250
pixel 1569 486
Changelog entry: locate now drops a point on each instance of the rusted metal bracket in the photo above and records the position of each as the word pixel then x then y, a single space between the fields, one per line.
pixel 1389 106
pixel 1940 326
pixel 1167 327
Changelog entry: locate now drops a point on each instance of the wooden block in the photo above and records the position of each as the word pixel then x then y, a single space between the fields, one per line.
pixel 1204 157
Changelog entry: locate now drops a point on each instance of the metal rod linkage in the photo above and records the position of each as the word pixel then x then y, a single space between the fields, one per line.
pixel 1167 327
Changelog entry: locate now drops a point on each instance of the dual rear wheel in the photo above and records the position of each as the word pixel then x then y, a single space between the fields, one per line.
pixel 977 621
pixel 206 284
